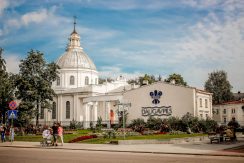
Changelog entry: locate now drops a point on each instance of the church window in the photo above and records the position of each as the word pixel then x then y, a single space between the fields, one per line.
pixel 58 81
pixel 67 110
pixel 54 111
pixel 86 80
pixel 42 113
pixel 72 80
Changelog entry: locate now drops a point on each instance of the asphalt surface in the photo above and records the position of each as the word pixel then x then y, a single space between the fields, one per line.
pixel 46 155
pixel 196 148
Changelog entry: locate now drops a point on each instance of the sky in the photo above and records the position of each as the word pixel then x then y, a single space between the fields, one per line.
pixel 132 37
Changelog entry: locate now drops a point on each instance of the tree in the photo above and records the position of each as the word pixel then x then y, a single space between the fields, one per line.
pixel 218 84
pixel 177 78
pixel 151 79
pixel 34 82
pixel 6 88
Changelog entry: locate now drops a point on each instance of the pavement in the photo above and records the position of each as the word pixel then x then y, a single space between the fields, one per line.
pixel 193 148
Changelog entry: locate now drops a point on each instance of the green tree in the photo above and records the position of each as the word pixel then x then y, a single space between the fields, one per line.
pixel 177 78
pixel 34 82
pixel 6 88
pixel 218 84
pixel 151 79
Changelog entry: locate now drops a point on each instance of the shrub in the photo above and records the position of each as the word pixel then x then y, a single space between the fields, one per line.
pixel 138 125
pixel 154 123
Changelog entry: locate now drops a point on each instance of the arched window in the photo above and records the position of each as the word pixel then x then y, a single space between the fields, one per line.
pixel 58 81
pixel 54 111
pixel 86 80
pixel 67 110
pixel 96 81
pixel 42 113
pixel 72 80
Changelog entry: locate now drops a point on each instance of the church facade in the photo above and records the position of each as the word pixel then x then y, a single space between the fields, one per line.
pixel 81 98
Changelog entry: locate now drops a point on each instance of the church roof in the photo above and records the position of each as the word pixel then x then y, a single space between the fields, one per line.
pixel 75 57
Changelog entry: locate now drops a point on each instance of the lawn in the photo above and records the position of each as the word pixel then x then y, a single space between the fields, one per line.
pixel 78 133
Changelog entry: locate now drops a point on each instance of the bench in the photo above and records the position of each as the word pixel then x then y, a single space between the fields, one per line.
pixel 216 137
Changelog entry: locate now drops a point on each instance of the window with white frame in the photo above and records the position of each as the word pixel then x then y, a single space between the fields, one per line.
pixel 206 103
pixel 86 80
pixel 58 81
pixel 72 80
pixel 200 101
pixel 67 110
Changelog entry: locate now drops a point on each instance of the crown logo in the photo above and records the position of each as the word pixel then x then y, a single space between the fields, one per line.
pixel 156 96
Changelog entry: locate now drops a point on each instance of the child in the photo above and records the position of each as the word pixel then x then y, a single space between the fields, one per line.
pixel 46 134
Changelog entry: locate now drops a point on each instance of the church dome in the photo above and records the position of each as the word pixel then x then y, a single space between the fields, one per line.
pixel 75 57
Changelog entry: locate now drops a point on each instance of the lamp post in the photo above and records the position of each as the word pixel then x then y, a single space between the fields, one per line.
pixel 123 107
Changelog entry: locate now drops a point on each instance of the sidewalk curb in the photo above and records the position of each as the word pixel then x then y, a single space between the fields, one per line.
pixel 101 150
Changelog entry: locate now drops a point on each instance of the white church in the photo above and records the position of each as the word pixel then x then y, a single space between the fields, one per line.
pixel 81 98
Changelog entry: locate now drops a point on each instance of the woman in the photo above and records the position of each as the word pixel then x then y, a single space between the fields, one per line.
pixel 60 133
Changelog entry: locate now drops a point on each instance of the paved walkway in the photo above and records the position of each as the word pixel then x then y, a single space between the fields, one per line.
pixel 201 148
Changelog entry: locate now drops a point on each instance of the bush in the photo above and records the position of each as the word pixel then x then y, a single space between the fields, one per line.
pixel 138 125
pixel 75 125
pixel 154 123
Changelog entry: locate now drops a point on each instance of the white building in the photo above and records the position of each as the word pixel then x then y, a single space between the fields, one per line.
pixel 81 98
pixel 223 113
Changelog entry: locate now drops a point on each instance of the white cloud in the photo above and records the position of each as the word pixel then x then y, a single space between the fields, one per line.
pixel 35 17
pixel 115 71
pixel 3 6
pixel 12 63
pixel 216 43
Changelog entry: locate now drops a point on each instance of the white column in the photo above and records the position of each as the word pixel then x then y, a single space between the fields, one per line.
pixel 60 108
pixel 75 107
pixel 86 115
pixel 94 113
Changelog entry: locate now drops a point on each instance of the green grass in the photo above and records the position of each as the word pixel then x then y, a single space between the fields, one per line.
pixel 142 137
pixel 68 137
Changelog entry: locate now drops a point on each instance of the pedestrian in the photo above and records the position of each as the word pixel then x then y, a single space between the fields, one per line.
pixel 233 124
pixel 60 133
pixel 3 131
pixel 55 134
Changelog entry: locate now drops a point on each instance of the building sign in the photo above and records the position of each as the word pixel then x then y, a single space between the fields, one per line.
pixel 156 96
pixel 157 111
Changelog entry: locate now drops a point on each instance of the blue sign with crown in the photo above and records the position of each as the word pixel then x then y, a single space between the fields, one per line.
pixel 156 96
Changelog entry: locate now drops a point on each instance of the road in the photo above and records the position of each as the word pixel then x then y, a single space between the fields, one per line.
pixel 34 155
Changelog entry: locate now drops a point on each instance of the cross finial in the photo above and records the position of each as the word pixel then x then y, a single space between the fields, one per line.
pixel 74 22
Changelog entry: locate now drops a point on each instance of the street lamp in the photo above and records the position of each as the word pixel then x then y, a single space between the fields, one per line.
pixel 123 107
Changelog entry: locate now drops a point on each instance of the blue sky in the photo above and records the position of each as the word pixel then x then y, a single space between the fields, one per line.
pixel 132 37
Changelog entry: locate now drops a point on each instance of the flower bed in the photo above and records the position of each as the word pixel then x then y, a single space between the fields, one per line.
pixel 83 138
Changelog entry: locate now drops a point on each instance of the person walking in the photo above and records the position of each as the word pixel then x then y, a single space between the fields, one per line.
pixel 60 133
pixel 3 131
pixel 233 124
pixel 55 134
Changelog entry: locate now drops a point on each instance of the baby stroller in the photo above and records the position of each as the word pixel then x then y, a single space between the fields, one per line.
pixel 47 139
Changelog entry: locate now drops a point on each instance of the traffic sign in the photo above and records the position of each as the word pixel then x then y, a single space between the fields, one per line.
pixel 12 105
pixel 12 114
